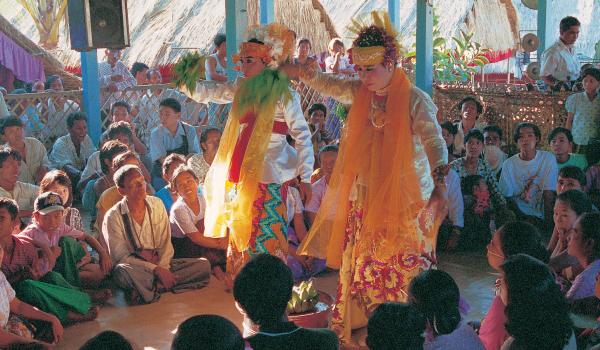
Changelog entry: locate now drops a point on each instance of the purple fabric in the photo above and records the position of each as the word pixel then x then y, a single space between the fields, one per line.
pixel 298 271
pixel 23 65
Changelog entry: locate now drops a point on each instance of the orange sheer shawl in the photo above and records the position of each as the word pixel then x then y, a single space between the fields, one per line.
pixel 384 160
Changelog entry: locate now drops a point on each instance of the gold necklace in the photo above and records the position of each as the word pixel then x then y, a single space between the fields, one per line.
pixel 377 114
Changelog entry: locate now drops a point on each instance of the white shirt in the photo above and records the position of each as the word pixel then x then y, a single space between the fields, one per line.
pixel 154 233
pixel 105 71
pixel 184 217
pixel 456 206
pixel 56 124
pixel 344 63
pixel 282 161
pixel 92 167
pixel 318 192
pixel 542 170
pixel 7 294
pixel 294 204
pixel 36 158
pixel 64 153
pixel 561 62
pixel 23 193
pixel 459 138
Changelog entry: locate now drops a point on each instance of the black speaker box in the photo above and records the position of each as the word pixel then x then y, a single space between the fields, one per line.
pixel 97 24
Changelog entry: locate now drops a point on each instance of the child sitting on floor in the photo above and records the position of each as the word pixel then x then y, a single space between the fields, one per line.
pixel 60 242
pixel 395 326
pixel 207 332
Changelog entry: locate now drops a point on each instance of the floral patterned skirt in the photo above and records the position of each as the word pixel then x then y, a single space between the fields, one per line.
pixel 366 282
pixel 269 228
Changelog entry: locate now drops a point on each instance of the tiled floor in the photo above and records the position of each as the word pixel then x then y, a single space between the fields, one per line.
pixel 151 326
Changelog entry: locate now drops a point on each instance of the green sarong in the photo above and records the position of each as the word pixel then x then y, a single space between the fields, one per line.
pixel 66 264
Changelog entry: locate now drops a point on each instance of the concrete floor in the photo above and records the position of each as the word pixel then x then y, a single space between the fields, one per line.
pixel 152 326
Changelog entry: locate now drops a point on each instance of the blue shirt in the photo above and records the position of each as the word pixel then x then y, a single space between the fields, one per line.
pixel 165 197
pixel 162 141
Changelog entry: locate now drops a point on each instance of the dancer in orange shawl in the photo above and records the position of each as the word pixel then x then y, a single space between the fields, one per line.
pixel 245 187
pixel 379 218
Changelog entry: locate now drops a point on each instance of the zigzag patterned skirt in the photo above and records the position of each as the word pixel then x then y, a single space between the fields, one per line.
pixel 269 227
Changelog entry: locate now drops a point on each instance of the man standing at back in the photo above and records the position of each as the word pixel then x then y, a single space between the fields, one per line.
pixel 559 62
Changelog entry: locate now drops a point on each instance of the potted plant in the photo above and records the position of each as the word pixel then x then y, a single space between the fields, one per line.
pixel 309 307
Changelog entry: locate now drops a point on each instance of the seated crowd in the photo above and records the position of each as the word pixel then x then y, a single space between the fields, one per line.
pixel 145 198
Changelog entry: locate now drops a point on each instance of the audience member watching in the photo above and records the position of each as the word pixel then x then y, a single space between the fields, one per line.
pixel 12 329
pixel 107 340
pixel 207 332
pixel 111 196
pixel 449 132
pixel 58 110
pixel 493 150
pixel 436 296
pixel 569 206
pixel 108 152
pixel 395 326
pixel 337 62
pixel 570 178
pixel 168 194
pixel 303 53
pixel 113 74
pixel 34 160
pixel 262 290
pixel 450 230
pixel 316 122
pixel 139 241
pixel 121 111
pixel 559 63
pixel 33 278
pixel 60 242
pixel 209 142
pixel 23 193
pixel 584 245
pixel 139 71
pixel 172 136
pixel 511 239
pixel 327 157
pixel 583 110
pixel 70 152
pixel 187 215
pixel 478 213
pixel 58 182
pixel 561 144
pixel 470 110
pixel 528 179
pixel 536 311
pixel 216 64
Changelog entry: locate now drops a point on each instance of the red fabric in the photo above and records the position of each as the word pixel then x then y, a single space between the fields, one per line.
pixel 241 145
pixel 24 254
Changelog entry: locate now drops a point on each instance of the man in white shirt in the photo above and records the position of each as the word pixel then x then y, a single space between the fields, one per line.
pixel 559 61
pixel 327 157
pixel 138 235
pixel 528 178
pixel 71 152
pixel 23 193
pixel 34 160
pixel 113 73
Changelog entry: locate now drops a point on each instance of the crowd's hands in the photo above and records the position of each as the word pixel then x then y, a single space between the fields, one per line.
pixel 165 277
pixel 57 330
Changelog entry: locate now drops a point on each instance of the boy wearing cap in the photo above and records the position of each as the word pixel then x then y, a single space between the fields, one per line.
pixel 32 280
pixel 60 242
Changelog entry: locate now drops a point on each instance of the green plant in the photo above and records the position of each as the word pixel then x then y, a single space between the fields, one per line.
pixel 304 298
pixel 458 63
pixel 188 70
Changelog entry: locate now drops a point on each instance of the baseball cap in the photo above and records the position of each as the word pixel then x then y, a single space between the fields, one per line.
pixel 48 202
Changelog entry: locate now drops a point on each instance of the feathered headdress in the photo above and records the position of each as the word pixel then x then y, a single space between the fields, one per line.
pixel 277 44
pixel 377 40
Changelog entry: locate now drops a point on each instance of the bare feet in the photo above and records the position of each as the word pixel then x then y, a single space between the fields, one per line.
pixel 92 314
pixel 100 296
pixel 224 277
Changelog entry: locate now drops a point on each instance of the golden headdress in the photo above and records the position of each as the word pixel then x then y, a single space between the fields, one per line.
pixel 377 40
pixel 277 44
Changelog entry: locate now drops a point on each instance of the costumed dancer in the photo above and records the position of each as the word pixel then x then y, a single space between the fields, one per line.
pixel 380 215
pixel 246 186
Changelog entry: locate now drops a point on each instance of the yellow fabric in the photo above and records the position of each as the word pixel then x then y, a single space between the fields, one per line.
pixel 384 160
pixel 236 214
pixel 107 200
pixel 368 56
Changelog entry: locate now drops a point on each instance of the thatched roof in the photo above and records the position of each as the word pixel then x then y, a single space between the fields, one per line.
pixel 51 64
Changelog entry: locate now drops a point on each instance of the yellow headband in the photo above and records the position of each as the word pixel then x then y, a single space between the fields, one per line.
pixel 368 56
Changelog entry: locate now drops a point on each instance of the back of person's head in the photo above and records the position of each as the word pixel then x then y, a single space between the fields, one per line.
pixel 536 310
pixel 450 127
pixel 469 183
pixel 171 103
pixel 8 152
pixel 108 151
pixel 263 288
pixel 107 340
pixel 520 237
pixel 395 326
pixel 75 116
pixel 576 200
pixel 573 172
pixel 436 296
pixel 207 332
pixel 219 39
pixel 27 346
pixel 590 232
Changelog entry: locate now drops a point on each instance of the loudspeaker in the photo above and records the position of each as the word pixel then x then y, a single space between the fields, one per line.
pixel 98 24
